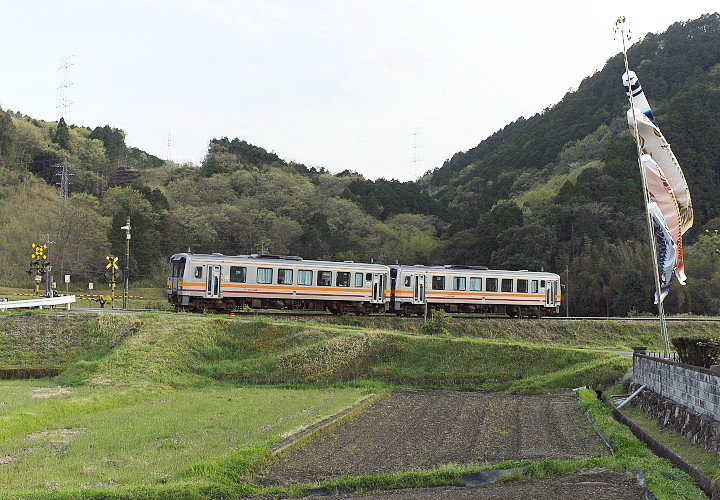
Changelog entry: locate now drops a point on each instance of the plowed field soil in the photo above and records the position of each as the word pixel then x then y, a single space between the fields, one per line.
pixel 419 429
pixel 591 484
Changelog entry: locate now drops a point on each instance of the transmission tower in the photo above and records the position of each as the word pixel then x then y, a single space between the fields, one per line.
pixel 415 158
pixel 64 101
pixel 64 179
pixel 169 151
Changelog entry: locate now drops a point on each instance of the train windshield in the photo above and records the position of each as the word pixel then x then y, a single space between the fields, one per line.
pixel 177 268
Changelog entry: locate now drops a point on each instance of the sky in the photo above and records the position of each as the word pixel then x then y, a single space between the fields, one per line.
pixel 386 88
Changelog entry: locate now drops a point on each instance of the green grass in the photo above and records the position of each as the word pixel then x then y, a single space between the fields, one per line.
pixel 187 435
pixel 704 460
pixel 184 352
pixel 33 339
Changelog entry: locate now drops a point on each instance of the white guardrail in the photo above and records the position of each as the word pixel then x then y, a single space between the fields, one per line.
pixel 53 301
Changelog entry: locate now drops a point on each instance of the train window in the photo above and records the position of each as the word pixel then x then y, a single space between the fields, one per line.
pixel 285 276
pixel 304 277
pixel 476 284
pixel 534 286
pixel 542 283
pixel 324 278
pixel 178 268
pixel 407 280
pixel 198 272
pixel 522 286
pixel 358 280
pixel 342 278
pixel 438 282
pixel 491 284
pixel 368 277
pixel 264 275
pixel 506 285
pixel 238 274
pixel 459 283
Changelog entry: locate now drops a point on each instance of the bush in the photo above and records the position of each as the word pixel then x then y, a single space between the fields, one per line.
pixel 697 351
pixel 438 324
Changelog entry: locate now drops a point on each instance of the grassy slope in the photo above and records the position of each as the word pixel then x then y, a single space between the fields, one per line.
pixel 93 436
pixel 191 351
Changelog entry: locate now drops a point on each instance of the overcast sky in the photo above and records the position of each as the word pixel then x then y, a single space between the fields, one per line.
pixel 387 88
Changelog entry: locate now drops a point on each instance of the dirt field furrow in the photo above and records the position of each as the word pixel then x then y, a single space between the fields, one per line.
pixel 596 483
pixel 417 429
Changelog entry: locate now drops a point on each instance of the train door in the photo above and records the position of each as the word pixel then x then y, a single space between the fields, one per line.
pixel 212 291
pixel 550 293
pixel 419 289
pixel 378 288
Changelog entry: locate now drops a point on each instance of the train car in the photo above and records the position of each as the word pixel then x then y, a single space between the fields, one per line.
pixel 219 282
pixel 473 289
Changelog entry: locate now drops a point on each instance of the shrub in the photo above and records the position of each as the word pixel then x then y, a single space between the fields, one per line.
pixel 438 324
pixel 697 351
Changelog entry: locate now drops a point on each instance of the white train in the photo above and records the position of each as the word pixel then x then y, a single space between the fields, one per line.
pixel 199 282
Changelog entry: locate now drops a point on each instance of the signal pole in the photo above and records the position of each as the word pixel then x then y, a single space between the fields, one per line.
pixel 112 265
pixel 126 227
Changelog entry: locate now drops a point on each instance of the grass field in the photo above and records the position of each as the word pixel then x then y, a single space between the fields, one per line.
pixel 183 406
pixel 97 437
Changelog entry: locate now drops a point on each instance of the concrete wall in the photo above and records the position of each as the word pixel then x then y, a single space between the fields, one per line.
pixel 682 397
pixel 693 387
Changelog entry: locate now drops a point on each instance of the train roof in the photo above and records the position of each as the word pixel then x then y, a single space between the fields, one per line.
pixel 460 269
pixel 289 260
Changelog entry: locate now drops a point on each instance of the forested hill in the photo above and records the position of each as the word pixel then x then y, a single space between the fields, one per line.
pixel 555 191
pixel 499 166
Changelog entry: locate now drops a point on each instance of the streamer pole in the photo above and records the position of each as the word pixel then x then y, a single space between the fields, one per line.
pixel 625 35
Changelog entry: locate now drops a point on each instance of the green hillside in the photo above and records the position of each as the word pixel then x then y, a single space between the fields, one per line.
pixel 558 190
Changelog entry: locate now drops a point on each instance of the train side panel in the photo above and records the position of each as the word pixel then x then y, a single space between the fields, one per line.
pixel 228 282
pixel 515 293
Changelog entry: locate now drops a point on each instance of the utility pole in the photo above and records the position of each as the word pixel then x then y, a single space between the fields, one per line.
pixel 567 291
pixel 126 227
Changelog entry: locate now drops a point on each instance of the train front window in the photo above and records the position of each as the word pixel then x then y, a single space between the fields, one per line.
pixel 177 268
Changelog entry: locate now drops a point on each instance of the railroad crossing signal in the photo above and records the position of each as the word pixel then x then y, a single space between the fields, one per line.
pixel 112 264
pixel 38 265
pixel 39 252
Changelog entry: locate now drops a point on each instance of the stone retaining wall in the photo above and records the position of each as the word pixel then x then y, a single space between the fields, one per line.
pixel 683 397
